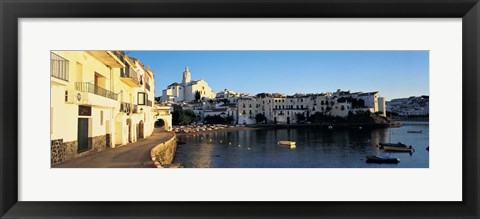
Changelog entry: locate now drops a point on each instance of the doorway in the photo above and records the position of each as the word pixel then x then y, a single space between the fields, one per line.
pixel 82 134
pixel 140 130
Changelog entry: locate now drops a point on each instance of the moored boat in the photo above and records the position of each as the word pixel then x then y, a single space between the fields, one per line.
pixel 399 149
pixel 381 159
pixel 399 144
pixel 415 131
pixel 289 143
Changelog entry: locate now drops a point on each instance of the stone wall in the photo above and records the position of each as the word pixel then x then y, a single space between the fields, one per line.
pixel 99 143
pixel 71 148
pixel 57 149
pixel 164 153
pixel 63 151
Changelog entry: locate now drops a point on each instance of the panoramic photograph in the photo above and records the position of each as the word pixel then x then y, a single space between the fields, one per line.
pixel 239 109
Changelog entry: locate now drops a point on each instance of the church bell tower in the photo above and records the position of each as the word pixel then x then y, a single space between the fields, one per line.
pixel 186 76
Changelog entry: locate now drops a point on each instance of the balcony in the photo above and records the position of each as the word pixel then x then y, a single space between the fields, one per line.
pixel 125 107
pixel 130 77
pixel 92 88
pixel 111 59
pixel 58 67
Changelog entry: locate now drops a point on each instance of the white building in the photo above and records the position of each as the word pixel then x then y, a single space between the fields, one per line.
pixel 280 109
pixel 412 106
pixel 229 96
pixel 99 100
pixel 185 92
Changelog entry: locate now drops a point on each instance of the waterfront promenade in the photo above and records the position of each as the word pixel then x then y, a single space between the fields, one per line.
pixel 133 155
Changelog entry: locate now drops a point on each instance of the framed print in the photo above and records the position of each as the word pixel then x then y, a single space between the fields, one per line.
pixel 239 109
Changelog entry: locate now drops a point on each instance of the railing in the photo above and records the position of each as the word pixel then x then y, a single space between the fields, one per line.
pixel 58 67
pixel 125 107
pixel 129 72
pixel 91 88
pixel 119 55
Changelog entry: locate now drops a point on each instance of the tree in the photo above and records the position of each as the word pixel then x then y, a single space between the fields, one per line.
pixel 300 117
pixel 176 116
pixel 187 117
pixel 259 118
pixel 215 119
pixel 197 96
pixel 229 119
pixel 183 117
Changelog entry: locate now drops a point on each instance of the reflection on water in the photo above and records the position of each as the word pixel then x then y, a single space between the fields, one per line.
pixel 316 148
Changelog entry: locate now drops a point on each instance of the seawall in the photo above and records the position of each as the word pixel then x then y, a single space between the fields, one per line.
pixel 164 153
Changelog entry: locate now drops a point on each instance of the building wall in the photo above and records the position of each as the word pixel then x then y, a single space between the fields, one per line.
pixel 382 106
pixel 107 124
pixel 283 110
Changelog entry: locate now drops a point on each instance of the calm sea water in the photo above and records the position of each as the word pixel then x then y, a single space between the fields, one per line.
pixel 316 148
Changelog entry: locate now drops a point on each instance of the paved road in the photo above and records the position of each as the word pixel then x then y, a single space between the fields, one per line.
pixel 130 155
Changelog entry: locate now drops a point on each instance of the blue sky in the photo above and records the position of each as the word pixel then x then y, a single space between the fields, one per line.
pixel 395 74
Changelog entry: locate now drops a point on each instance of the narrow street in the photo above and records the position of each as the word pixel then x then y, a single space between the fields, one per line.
pixel 131 155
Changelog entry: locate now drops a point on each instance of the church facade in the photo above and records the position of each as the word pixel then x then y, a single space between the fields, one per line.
pixel 185 91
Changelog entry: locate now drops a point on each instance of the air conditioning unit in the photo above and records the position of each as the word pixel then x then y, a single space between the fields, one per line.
pixel 74 97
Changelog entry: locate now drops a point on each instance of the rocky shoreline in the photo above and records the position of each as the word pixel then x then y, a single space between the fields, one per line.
pixel 228 129
pixel 277 126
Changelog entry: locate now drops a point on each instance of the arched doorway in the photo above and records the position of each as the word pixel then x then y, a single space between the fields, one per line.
pixel 119 129
pixel 140 130
pixel 161 124
pixel 129 126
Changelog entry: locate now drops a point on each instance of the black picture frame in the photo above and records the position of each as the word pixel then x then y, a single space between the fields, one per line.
pixel 12 10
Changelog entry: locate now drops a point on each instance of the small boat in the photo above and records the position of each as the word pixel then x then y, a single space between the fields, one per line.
pixel 415 131
pixel 399 149
pixel 381 159
pixel 399 144
pixel 289 143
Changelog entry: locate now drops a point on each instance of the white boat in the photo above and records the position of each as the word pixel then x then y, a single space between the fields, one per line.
pixel 289 143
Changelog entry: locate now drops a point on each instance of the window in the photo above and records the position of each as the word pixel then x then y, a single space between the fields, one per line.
pixel 141 98
pixel 101 117
pixel 59 67
pixel 66 96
